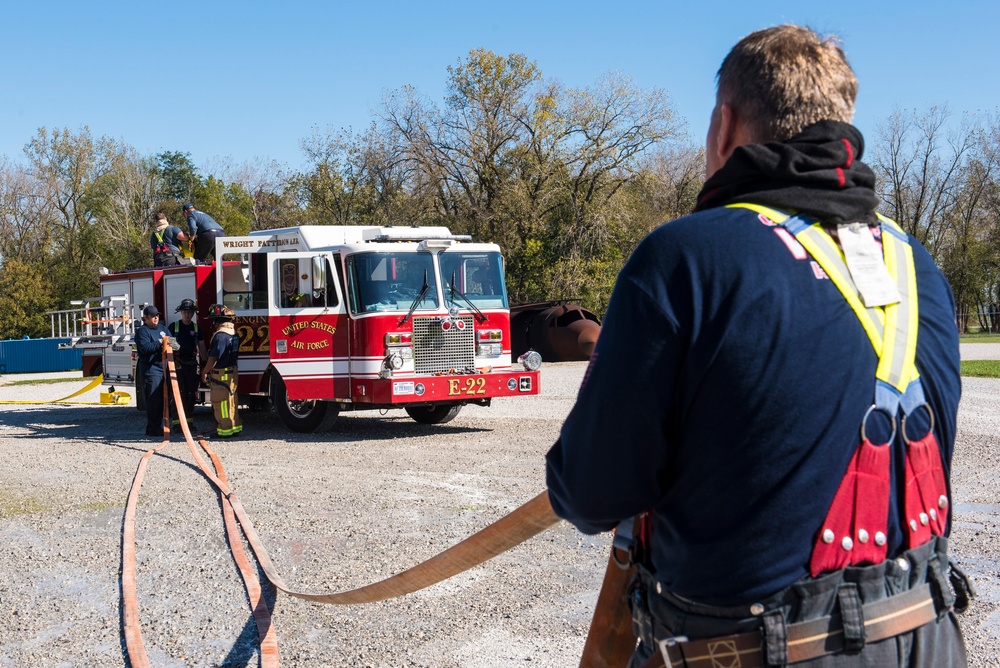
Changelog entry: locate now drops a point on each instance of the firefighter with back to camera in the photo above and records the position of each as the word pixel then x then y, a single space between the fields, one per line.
pixel 203 231
pixel 785 441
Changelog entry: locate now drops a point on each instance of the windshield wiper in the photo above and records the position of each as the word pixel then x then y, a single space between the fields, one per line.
pixel 479 314
pixel 420 296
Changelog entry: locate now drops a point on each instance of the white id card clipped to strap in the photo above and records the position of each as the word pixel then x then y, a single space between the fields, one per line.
pixel 867 266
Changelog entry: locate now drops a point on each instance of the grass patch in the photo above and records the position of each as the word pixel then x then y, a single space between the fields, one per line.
pixel 11 504
pixel 50 381
pixel 981 368
pixel 985 337
pixel 97 506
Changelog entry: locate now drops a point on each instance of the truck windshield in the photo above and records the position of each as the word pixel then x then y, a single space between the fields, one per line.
pixel 478 276
pixel 391 281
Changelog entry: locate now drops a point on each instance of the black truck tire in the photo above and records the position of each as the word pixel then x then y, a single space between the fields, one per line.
pixel 438 414
pixel 303 417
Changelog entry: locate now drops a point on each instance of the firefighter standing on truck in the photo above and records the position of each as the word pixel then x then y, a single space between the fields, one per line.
pixel 759 387
pixel 220 372
pixel 192 348
pixel 203 232
pixel 165 242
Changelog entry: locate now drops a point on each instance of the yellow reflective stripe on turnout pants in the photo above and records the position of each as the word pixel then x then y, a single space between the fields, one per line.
pixel 223 383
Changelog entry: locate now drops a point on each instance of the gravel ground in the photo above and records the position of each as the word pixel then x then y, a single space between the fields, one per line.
pixel 338 510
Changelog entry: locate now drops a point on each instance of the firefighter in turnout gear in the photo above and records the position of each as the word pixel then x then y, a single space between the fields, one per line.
pixel 220 372
pixel 192 349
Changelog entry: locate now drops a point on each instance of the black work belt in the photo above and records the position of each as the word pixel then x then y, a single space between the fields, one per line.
pixel 812 639
pixel 227 369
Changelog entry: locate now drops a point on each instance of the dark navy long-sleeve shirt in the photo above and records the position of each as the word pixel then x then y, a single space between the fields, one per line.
pixel 726 393
pixel 199 221
pixel 225 348
pixel 149 345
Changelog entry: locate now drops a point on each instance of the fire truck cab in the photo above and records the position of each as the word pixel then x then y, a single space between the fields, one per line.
pixel 340 318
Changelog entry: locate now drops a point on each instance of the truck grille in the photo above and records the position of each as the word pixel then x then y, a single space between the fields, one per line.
pixel 437 350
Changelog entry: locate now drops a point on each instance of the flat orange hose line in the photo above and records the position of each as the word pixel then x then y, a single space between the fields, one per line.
pixel 523 523
pixel 261 613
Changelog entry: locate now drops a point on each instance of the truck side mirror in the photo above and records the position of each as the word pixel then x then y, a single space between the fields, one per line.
pixel 319 279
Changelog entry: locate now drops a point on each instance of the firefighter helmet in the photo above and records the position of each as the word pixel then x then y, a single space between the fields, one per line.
pixel 186 305
pixel 218 311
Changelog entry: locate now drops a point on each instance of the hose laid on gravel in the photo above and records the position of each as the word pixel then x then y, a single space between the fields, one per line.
pixel 519 525
pixel 114 397
pixel 269 657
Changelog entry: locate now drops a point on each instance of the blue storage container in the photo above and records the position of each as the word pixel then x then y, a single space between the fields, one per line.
pixel 38 356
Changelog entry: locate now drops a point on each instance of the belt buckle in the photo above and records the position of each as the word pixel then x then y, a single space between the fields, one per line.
pixel 665 646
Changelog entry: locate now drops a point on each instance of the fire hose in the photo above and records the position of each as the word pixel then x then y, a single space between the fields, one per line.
pixel 523 523
pixel 110 397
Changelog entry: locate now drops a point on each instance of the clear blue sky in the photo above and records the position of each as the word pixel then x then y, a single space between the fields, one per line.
pixel 250 79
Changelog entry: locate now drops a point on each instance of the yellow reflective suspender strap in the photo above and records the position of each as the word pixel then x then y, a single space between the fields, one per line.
pixel 892 329
pixel 901 370
pixel 822 248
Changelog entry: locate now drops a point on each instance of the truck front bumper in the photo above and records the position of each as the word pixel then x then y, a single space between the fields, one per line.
pixel 471 387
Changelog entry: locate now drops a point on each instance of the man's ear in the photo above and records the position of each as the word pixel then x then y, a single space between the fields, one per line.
pixel 730 133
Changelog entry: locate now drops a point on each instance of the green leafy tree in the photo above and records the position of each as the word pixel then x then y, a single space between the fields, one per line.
pixel 355 180
pixel 228 203
pixel 25 295
pixel 180 178
pixel 63 165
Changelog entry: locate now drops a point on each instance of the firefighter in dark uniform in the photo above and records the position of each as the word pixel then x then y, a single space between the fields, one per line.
pixel 192 349
pixel 149 348
pixel 220 372
pixel 760 400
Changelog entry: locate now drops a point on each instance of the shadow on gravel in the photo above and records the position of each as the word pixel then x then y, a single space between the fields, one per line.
pixel 110 425
pixel 124 426
pixel 247 644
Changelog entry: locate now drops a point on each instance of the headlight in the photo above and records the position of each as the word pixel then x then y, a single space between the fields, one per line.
pixel 490 349
pixel 531 360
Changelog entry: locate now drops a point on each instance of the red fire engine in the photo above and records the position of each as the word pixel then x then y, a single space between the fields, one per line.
pixel 334 318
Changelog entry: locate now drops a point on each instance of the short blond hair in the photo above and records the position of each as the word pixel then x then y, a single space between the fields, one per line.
pixel 784 79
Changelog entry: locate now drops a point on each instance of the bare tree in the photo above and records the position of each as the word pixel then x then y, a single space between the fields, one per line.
pixel 920 171
pixel 608 128
pixel 123 200
pixel 27 230
pixel 469 150
pixel 272 202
